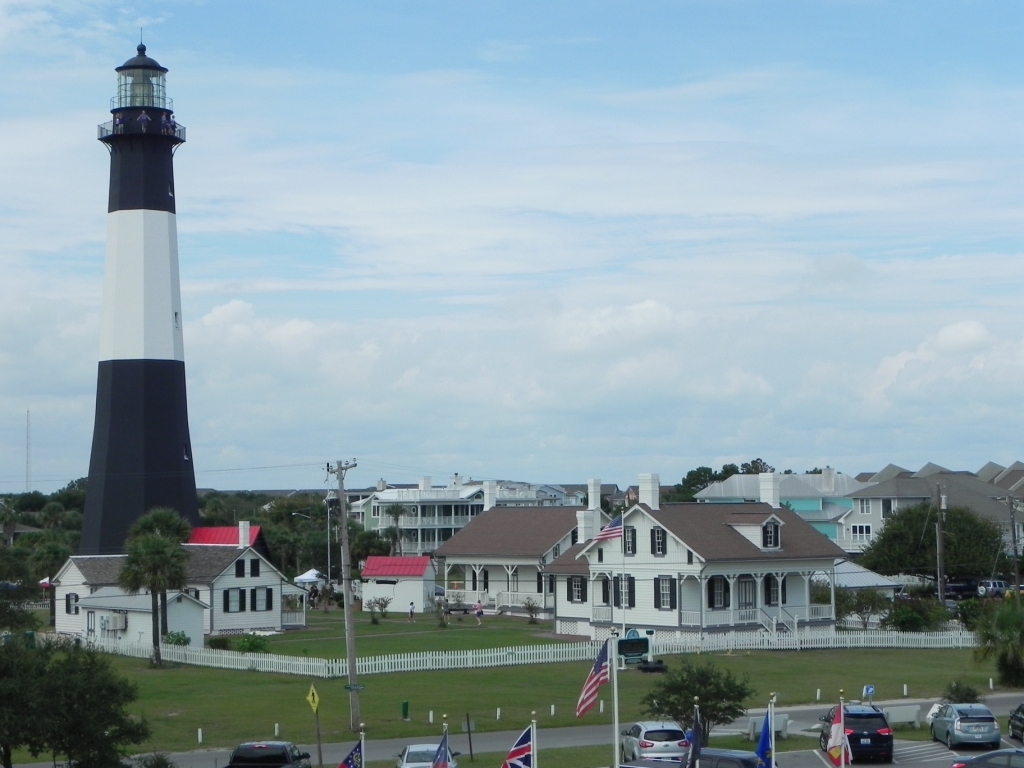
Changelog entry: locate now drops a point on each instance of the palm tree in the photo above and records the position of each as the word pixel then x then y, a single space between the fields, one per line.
pixel 1002 637
pixel 394 512
pixel 156 564
pixel 167 524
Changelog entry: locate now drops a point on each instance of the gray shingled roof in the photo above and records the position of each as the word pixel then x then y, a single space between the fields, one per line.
pixel 567 562
pixel 205 563
pixel 114 599
pixel 511 532
pixel 962 490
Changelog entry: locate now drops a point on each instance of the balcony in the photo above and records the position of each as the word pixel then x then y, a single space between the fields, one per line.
pixel 131 127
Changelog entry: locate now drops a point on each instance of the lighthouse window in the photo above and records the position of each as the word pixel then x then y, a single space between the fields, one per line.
pixel 177 320
pixel 170 189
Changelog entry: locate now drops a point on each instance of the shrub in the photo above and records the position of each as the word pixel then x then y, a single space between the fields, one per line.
pixel 154 760
pixel 532 608
pixel 959 692
pixel 253 644
pixel 914 614
pixel 971 613
pixel 219 643
pixel 175 638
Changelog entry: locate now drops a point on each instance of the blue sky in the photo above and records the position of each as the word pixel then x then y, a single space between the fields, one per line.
pixel 537 241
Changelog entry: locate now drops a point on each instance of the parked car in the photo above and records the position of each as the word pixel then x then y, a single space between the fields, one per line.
pixel 966 724
pixel 268 754
pixel 1000 758
pixel 710 757
pixel 992 588
pixel 962 589
pixel 867 731
pixel 1017 723
pixel 654 740
pixel 422 755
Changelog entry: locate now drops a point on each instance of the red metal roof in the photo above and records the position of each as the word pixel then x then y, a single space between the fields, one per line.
pixel 395 566
pixel 221 534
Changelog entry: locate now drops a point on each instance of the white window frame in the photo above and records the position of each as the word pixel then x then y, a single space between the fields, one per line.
pixel 771 535
pixel 864 506
pixel 234 600
pixel 860 532
pixel 660 541
pixel 665 587
pixel 718 592
pixel 577 589
pixel 629 539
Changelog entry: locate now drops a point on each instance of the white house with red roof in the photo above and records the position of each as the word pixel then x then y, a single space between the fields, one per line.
pixel 227 536
pixel 402 579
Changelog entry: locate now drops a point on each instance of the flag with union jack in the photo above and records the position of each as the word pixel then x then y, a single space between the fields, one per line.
pixel 441 756
pixel 521 754
pixel 599 674
pixel 611 531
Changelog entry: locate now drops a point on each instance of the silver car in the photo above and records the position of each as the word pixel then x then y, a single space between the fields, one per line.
pixel 421 756
pixel 654 740
pixel 966 724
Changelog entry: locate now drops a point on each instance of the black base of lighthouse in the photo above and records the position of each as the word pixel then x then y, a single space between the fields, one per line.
pixel 141 451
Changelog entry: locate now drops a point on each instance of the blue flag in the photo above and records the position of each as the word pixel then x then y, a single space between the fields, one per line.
pixel 764 744
pixel 696 742
pixel 354 759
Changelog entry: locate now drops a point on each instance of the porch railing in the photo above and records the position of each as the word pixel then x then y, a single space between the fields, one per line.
pixel 517 599
pixel 689 618
pixel 819 612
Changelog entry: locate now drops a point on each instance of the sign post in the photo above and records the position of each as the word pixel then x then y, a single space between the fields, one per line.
pixel 314 702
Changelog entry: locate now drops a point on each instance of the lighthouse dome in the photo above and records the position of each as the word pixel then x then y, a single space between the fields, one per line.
pixel 141 83
pixel 142 61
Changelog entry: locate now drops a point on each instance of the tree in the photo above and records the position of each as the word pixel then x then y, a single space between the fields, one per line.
pixel 366 543
pixel 22 705
pixel 1001 637
pixel 155 564
pixel 696 480
pixel 8 521
pixel 721 695
pixel 394 513
pixel 973 544
pixel 755 467
pixel 167 524
pixel 47 558
pixel 868 603
pixel 17 586
pixel 393 536
pixel 52 515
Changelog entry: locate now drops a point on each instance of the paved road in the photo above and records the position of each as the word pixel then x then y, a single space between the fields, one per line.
pixel 802 719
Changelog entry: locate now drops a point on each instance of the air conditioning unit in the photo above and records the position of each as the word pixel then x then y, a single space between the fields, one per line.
pixel 119 622
pixel 104 623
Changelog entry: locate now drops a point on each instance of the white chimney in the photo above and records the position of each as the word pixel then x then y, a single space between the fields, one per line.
pixel 828 480
pixel 425 483
pixel 455 481
pixel 490 493
pixel 650 491
pixel 382 485
pixel 593 494
pixel 243 534
pixel 769 487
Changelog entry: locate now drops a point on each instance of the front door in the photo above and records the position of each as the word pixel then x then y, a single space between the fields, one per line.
pixel 748 593
pixel 90 622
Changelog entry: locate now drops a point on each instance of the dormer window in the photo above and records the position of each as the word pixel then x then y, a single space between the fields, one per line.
pixel 770 535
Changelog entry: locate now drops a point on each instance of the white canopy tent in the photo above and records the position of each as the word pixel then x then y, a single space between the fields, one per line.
pixel 310 576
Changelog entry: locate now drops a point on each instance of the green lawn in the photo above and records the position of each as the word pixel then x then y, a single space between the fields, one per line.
pixel 325 635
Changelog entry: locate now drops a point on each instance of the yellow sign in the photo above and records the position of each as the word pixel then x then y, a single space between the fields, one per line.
pixel 313 698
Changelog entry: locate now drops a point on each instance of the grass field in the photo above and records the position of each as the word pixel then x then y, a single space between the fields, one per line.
pixel 325 635
pixel 234 706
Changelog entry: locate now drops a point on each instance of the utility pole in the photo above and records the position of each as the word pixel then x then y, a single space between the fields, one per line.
pixel 939 550
pixel 1016 562
pixel 339 469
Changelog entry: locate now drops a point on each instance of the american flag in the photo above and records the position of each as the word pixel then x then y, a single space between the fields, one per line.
pixel 521 754
pixel 611 531
pixel 598 676
pixel 441 756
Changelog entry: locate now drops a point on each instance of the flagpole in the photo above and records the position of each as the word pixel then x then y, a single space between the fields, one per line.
pixel 842 730
pixel 613 665
pixel 362 742
pixel 696 725
pixel 533 740
pixel 771 728
pixel 623 584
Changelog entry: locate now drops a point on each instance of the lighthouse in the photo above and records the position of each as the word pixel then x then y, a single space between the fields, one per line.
pixel 141 452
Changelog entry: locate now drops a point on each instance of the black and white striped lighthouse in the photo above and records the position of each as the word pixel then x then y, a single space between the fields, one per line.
pixel 141 451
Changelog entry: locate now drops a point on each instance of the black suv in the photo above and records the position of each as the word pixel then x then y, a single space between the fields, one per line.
pixel 867 731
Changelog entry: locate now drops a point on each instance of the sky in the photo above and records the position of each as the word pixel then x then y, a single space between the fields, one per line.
pixel 541 241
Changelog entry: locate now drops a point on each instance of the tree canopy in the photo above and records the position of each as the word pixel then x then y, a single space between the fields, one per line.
pixel 696 480
pixel 721 694
pixel 973 545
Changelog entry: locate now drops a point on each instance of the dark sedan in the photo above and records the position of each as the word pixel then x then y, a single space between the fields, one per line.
pixel 1000 758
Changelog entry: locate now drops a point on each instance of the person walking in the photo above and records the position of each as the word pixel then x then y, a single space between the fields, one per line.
pixel 478 609
pixel 412 612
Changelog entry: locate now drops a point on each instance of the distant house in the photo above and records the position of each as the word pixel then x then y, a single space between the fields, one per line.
pixel 403 580
pixel 694 567
pixel 240 588
pixel 110 615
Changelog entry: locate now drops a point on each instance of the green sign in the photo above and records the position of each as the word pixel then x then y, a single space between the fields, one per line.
pixel 634 646
pixel 356 687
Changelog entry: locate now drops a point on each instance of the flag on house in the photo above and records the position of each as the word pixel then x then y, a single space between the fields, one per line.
pixel 611 531
pixel 441 756
pixel 599 674
pixel 521 754
pixel 354 759
pixel 838 748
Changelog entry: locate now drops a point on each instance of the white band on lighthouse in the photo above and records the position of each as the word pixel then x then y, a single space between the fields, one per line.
pixel 141 317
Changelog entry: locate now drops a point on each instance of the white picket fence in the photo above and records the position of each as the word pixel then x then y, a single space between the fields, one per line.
pixel 538 654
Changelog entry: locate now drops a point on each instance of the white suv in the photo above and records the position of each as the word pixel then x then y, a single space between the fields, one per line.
pixel 992 588
pixel 655 740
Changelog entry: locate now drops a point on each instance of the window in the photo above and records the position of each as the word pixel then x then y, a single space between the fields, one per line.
pixel 374 511
pixel 540 582
pixel 240 569
pixel 888 507
pixel 606 591
pixel 864 505
pixel 556 550
pixel 71 603
pixel 600 555
pixel 689 557
pixel 718 592
pixel 664 593
pixel 575 535
pixel 576 589
pixel 771 590
pixel 234 601
pixel 770 536
pixel 262 599
pixel 629 540
pixel 658 541
pixel 254 567
pixel 860 533
pixel 625 590
pixel 551 584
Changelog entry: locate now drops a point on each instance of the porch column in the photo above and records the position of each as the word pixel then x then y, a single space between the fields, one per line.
pixel 832 591
pixel 732 599
pixel 701 587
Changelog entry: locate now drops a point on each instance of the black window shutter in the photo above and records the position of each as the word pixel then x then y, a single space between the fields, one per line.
pixel 583 590
pixel 486 580
pixel 241 601
pixel 474 581
pixel 675 594
pixel 540 582
pixel 632 591
pixel 254 567
pixel 239 569
pixel 711 592
pixel 632 540
pixel 654 542
pixel 227 601
pixel 768 590
pixel 616 593
pixel 67 603
pixel 782 590
pixel 568 589
pixel 657 580
pixel 551 584
pixel 726 591
pixel 605 597
pixel 270 598
pixel 252 599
